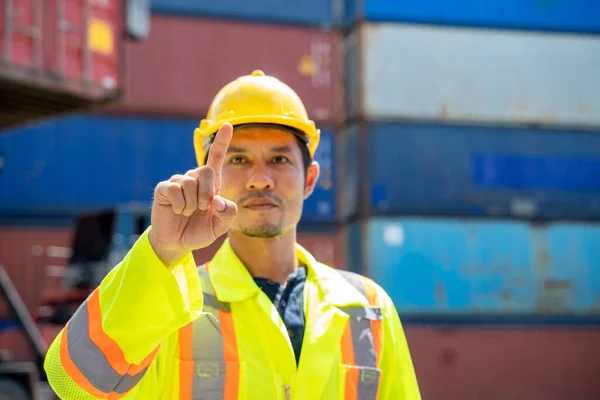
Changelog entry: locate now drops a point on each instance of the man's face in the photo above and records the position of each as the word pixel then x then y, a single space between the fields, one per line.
pixel 263 173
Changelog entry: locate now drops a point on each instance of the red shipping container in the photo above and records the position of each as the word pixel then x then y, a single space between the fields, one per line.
pixel 58 56
pixel 34 258
pixel 180 67
pixel 524 363
pixel 326 247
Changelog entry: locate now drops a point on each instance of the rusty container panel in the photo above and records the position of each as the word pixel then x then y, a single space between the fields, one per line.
pixel 184 62
pixel 58 56
pixel 472 268
pixel 15 343
pixel 505 363
pixel 326 247
pixel 83 53
pixel 35 258
pixel 475 75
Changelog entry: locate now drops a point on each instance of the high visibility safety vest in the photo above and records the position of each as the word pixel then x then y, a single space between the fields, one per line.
pixel 209 332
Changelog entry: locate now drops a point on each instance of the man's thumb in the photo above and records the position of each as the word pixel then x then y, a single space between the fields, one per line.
pixel 223 209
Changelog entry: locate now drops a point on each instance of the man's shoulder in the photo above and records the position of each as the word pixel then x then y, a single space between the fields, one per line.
pixel 365 285
pixel 352 276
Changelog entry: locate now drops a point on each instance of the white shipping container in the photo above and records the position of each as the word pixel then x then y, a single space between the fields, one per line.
pixel 399 71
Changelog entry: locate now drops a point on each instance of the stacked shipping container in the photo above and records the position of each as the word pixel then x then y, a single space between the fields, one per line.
pixel 469 181
pixel 90 162
pixel 494 123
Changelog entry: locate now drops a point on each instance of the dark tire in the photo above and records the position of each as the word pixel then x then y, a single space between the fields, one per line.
pixel 10 390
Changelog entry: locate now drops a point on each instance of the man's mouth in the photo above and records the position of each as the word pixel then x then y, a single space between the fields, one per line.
pixel 260 204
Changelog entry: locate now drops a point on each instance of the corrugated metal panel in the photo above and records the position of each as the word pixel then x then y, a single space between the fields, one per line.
pixel 470 170
pixel 492 267
pixel 327 248
pixel 225 50
pixel 557 15
pixel 309 12
pixel 500 364
pixel 87 162
pixel 34 258
pixel 442 73
pixel 57 56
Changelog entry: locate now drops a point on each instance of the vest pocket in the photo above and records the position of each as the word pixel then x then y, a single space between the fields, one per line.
pixel 208 378
pixel 357 382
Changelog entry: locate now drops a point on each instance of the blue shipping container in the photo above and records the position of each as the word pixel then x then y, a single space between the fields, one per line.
pixel 320 13
pixel 469 170
pixel 556 15
pixel 87 162
pixel 460 266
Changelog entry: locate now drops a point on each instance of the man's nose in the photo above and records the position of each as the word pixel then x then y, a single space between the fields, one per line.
pixel 260 180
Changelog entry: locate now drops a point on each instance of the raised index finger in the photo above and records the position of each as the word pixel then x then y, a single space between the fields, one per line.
pixel 217 152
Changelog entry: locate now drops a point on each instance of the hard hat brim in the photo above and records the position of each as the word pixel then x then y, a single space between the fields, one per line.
pixel 207 129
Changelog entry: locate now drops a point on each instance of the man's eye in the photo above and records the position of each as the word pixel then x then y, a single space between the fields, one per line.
pixel 280 160
pixel 237 160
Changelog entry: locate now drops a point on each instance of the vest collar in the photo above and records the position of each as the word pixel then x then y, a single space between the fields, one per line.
pixel 233 283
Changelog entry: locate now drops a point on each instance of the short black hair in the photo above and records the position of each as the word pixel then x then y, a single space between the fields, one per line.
pixel 306 158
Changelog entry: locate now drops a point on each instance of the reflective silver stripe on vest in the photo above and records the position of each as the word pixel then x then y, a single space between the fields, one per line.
pixel 90 360
pixel 363 344
pixel 208 346
pixel 372 313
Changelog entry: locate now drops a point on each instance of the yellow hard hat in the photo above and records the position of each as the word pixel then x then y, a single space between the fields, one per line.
pixel 255 99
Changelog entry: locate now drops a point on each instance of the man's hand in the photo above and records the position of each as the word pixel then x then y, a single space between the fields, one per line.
pixel 188 213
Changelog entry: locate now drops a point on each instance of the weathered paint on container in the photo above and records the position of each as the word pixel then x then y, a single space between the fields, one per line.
pixel 58 56
pixel 321 13
pixel 89 162
pixel 34 258
pixel 327 247
pixel 558 15
pixel 469 170
pixel 463 267
pixel 307 59
pixel 400 71
pixel 499 364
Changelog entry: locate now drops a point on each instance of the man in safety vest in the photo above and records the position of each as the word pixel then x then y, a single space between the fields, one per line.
pixel 263 319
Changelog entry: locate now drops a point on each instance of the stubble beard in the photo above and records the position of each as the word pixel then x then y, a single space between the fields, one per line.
pixel 265 231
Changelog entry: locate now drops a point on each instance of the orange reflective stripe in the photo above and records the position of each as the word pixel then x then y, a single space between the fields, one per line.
pixel 72 370
pixel 347 348
pixel 377 329
pixel 135 369
pixel 230 355
pixel 186 366
pixel 351 386
pixel 77 377
pixel 370 291
pixel 111 350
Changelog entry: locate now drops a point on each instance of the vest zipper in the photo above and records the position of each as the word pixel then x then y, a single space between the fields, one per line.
pixel 287 391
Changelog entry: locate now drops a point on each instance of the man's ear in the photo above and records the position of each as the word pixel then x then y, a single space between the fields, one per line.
pixel 312 176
